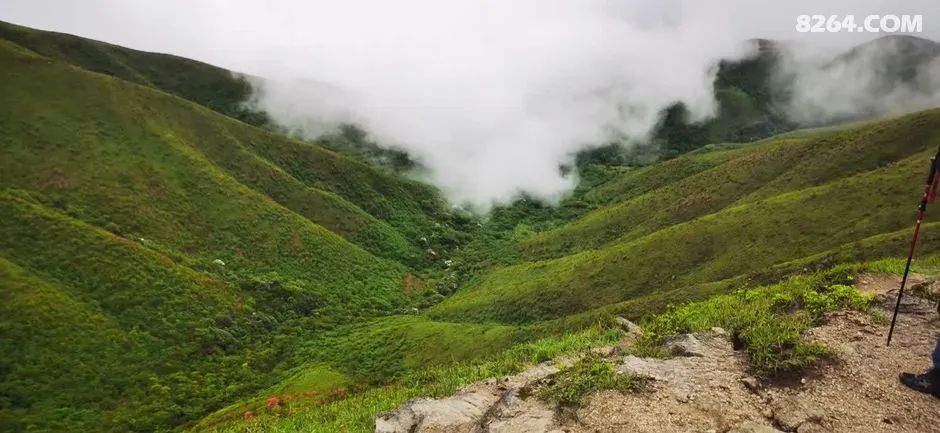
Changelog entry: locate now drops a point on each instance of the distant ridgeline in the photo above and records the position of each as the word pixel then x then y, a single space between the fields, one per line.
pixel 168 260
pixel 753 95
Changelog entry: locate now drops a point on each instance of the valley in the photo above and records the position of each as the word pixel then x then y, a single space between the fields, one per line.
pixel 173 260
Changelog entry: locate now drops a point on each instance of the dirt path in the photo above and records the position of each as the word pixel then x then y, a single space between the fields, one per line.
pixel 861 393
pixel 713 391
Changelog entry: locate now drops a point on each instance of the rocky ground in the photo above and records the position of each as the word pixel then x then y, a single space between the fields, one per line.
pixel 708 387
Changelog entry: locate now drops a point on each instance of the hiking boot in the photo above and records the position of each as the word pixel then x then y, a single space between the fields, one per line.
pixel 927 383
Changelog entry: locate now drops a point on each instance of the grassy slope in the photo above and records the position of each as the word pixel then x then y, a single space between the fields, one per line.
pixel 116 322
pixel 389 199
pixel 204 84
pixel 769 320
pixel 703 183
pixel 356 412
pixel 115 199
pixel 149 143
pixel 358 357
pixel 139 342
pixel 724 225
pixel 871 248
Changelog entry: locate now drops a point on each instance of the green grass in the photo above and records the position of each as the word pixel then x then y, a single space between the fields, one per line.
pixel 116 199
pixel 871 250
pixel 382 349
pixel 788 217
pixel 769 321
pixel 589 374
pixel 376 353
pixel 127 175
pixel 211 86
pixel 702 183
pixel 356 413
pixel 136 341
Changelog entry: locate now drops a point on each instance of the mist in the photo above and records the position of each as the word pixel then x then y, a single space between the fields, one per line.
pixel 491 97
pixel 889 76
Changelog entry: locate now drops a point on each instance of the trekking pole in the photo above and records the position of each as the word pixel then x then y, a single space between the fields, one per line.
pixel 930 195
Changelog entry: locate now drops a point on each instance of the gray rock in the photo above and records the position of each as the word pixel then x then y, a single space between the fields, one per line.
pixel 492 406
pixel 672 372
pixel 629 327
pixel 791 413
pixel 686 345
pixel 753 427
pixel 719 331
pixel 751 383
pixel 515 415
pixel 459 413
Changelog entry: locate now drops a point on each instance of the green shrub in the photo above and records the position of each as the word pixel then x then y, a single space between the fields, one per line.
pixel 769 321
pixel 585 376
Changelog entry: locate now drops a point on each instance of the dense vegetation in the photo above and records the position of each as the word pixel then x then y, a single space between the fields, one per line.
pixel 166 263
pixel 184 253
pixel 767 320
pixel 764 204
pixel 355 412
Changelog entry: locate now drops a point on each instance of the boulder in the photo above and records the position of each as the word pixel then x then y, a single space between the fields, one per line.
pixel 751 383
pixel 493 406
pixel 791 413
pixel 673 373
pixel 457 414
pixel 515 415
pixel 629 327
pixel 686 345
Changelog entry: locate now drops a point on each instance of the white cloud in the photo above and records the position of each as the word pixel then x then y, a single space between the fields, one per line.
pixel 492 96
pixel 830 87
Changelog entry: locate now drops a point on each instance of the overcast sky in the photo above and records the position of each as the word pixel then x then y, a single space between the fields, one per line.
pixel 491 95
pixel 250 35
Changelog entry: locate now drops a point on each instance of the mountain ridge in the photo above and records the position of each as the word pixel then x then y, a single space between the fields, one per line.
pixel 180 266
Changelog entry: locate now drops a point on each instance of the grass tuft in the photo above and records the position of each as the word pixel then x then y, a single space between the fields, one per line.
pixel 356 412
pixel 768 321
pixel 588 375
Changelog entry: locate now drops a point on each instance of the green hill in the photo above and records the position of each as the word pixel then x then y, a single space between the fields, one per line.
pixel 214 87
pixel 59 110
pixel 735 212
pixel 184 253
pixel 167 264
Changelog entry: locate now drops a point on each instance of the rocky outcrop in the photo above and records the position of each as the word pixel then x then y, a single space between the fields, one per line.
pixel 708 387
pixel 460 413
pixel 686 345
pixel 494 406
